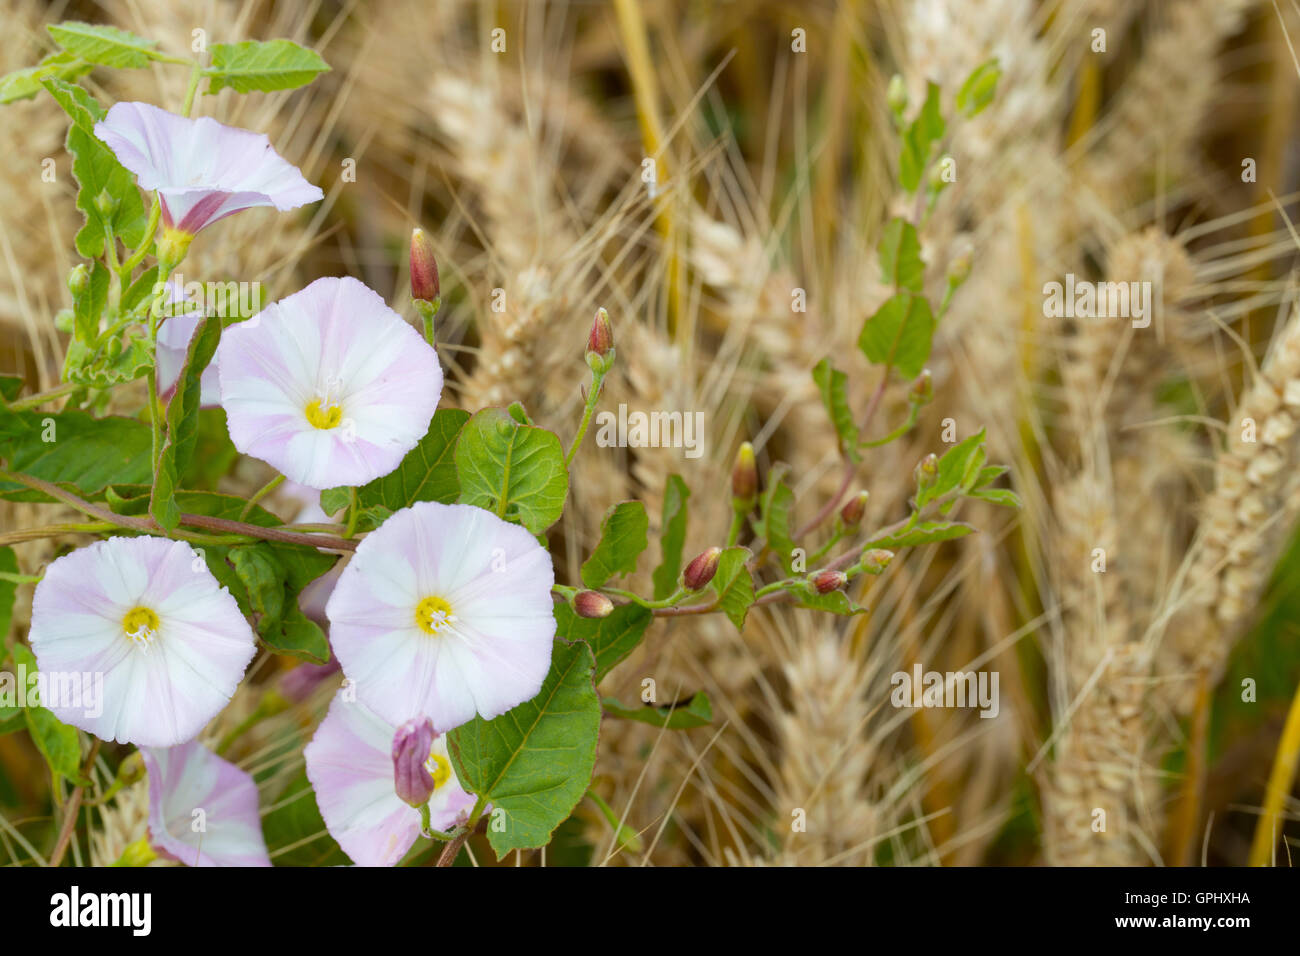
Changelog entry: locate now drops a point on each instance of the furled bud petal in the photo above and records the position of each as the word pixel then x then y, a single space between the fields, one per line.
pixel 852 512
pixel 592 604
pixel 600 343
pixel 701 569
pixel 411 746
pixel 876 560
pixel 106 203
pixel 78 279
pixel 923 389
pixel 927 471
pixel 827 581
pixel 424 268
pixel 744 475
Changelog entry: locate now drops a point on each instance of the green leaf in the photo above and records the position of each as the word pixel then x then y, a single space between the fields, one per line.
pixel 8 589
pixel 834 387
pixel 24 84
pixel 919 140
pixel 515 471
pixel 679 715
pixel 927 532
pixel 899 334
pixel 533 763
pixel 836 602
pixel 262 66
pixel 960 464
pixel 182 423
pixel 58 743
pixel 84 367
pixel 266 579
pixel 104 45
pixel 980 88
pixel 990 474
pixel 427 473
pixel 97 171
pixel 73 449
pixel 776 517
pixel 734 585
pixel 998 496
pixel 294 830
pixel 672 537
pixel 88 306
pixel 611 639
pixel 11 386
pixel 622 539
pixel 900 256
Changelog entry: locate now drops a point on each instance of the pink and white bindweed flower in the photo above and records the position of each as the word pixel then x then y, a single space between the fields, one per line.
pixel 147 616
pixel 202 170
pixel 329 385
pixel 445 611
pixel 350 765
pixel 202 809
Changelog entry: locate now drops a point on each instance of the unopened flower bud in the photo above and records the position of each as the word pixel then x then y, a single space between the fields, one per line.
pixel 701 569
pixel 927 471
pixel 424 268
pixel 922 392
pixel 959 272
pixel 852 512
pixel 876 560
pixel 827 581
pixel 600 343
pixel 744 475
pixel 106 203
pixel 411 746
pixel 592 604
pixel 78 279
pixel 896 95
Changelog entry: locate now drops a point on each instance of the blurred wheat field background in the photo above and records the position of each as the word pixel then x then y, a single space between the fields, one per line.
pixel 1154 686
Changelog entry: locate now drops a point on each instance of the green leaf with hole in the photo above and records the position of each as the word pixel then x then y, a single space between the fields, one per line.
pixel 534 762
pixel 622 539
pixel 515 471
pixel 263 66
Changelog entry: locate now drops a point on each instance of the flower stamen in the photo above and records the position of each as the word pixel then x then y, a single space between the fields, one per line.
pixel 433 614
pixel 439 769
pixel 141 625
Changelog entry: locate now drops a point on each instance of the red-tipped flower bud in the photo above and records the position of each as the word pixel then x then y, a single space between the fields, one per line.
pixel 600 343
pixel 592 604
pixel 827 581
pixel 424 268
pixel 701 569
pixel 411 746
pixel 744 475
pixel 923 389
pixel 852 512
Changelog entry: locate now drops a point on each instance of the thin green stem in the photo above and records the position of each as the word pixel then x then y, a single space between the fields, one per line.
pixel 597 381
pixel 261 493
pixel 196 73
pixel 142 250
pixel 354 509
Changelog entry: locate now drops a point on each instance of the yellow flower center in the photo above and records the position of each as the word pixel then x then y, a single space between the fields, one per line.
pixel 324 418
pixel 140 624
pixel 438 768
pixel 433 614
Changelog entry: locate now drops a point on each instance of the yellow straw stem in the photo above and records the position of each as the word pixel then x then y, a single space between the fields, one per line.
pixel 1279 785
